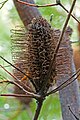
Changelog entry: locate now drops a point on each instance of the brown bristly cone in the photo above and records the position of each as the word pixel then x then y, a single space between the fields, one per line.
pixel 41 48
pixel 34 50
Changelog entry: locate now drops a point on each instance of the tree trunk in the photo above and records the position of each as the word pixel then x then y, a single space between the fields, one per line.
pixel 69 95
pixel 26 13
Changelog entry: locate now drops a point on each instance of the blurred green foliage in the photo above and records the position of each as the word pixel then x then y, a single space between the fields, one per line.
pixel 15 110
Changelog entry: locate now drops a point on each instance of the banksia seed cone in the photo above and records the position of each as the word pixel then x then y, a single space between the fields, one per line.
pixel 41 47
pixel 36 51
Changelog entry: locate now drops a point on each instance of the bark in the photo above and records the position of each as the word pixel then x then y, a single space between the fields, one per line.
pixel 69 95
pixel 26 13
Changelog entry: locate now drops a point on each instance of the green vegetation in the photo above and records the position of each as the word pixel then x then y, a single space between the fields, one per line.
pixel 50 111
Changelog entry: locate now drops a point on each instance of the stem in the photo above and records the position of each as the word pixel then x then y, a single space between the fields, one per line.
pixel 62 33
pixel 68 12
pixel 16 79
pixel 14 67
pixel 57 48
pixel 39 106
pixel 35 5
pixel 64 84
pixel 9 73
pixel 19 71
pixel 27 92
pixel 3 3
pixel 73 113
pixel 17 95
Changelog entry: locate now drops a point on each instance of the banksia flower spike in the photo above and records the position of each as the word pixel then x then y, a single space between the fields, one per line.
pixel 40 48
pixel 38 45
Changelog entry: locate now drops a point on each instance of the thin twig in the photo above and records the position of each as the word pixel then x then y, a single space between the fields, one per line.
pixel 17 80
pixel 35 5
pixel 64 84
pixel 3 3
pixel 47 5
pixel 57 48
pixel 27 92
pixel 39 106
pixel 73 113
pixel 20 71
pixel 68 12
pixel 62 33
pixel 15 67
pixel 9 73
pixel 17 95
